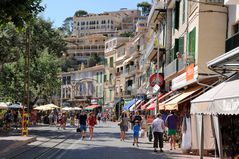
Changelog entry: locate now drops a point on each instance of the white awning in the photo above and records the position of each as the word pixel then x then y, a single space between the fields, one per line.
pixel 222 99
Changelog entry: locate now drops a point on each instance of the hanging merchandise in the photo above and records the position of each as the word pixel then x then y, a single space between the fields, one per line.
pixel 186 134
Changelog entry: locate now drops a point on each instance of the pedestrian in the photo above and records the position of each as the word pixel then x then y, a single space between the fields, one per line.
pixel 137 117
pixel 99 117
pixel 171 122
pixel 136 130
pixel 82 124
pixel 91 123
pixel 124 124
pixel 158 129
pixel 63 120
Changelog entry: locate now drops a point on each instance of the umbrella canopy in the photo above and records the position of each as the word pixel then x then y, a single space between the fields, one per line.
pixel 67 108
pixel 43 108
pixel 15 106
pixel 77 108
pixel 51 106
pixel 3 105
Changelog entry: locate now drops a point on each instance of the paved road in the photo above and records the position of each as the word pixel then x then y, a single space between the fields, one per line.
pixel 66 144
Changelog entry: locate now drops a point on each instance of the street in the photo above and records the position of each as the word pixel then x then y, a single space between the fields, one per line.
pixel 62 144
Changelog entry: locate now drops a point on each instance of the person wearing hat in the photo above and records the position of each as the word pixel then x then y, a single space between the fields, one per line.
pixel 158 128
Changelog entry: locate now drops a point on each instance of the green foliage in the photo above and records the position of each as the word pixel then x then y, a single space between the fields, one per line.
pixel 95 59
pixel 127 34
pixel 19 12
pixel 67 27
pixel 46 45
pixel 145 7
pixel 80 13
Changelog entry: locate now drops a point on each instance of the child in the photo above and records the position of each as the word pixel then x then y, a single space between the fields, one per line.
pixel 136 130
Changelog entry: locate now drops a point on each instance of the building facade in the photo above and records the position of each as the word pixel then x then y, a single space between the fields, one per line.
pixel 80 87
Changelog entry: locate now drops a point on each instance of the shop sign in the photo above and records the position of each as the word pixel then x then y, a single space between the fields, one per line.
pixel 93 101
pixel 190 72
pixel 183 80
pixel 156 79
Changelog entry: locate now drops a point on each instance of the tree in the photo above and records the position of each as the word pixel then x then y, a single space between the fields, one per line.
pixel 19 12
pixel 80 13
pixel 145 8
pixel 46 46
pixel 127 34
pixel 67 26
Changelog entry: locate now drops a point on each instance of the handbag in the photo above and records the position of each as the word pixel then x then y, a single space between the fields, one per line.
pixel 78 130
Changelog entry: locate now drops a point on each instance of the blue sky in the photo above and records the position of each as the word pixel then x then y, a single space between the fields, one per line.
pixel 58 10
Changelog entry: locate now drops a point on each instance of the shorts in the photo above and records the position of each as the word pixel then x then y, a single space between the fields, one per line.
pixel 83 128
pixel 123 128
pixel 136 134
pixel 171 132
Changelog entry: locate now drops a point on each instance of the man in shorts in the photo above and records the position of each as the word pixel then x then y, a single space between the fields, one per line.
pixel 82 123
pixel 171 121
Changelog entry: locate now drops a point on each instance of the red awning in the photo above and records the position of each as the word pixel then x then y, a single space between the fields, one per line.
pixel 150 101
pixel 152 106
pixel 91 107
pixel 139 105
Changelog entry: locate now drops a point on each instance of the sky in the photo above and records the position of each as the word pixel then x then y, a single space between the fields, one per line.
pixel 58 10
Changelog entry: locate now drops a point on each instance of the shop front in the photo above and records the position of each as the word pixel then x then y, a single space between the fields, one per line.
pixel 222 104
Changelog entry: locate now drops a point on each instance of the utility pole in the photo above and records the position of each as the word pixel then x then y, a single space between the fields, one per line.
pixel 25 116
pixel 158 53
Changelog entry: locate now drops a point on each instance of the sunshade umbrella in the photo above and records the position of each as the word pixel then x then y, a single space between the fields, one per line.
pixel 43 108
pixel 51 105
pixel 3 105
pixel 15 106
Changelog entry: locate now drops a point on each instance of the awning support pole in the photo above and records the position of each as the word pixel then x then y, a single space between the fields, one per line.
pixel 201 139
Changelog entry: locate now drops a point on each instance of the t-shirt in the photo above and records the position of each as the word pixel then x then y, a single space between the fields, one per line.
pixel 157 125
pixel 137 117
pixel 82 119
pixel 172 121
pixel 136 128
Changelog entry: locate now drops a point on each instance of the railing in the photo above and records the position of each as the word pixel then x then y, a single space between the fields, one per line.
pixel 170 69
pixel 150 47
pixel 182 63
pixel 130 71
pixel 232 42
pixel 157 5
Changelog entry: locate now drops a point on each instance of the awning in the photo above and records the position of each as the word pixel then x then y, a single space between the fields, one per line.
pixel 173 104
pixel 152 100
pixel 222 99
pixel 91 107
pixel 127 60
pixel 129 104
pixel 134 105
pixel 152 106
pixel 139 105
pixel 161 104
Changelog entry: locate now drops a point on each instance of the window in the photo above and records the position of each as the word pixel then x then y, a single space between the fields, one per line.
pixel 105 78
pixel 110 95
pixel 96 91
pixel 176 15
pixel 101 77
pixel 215 1
pixel 111 62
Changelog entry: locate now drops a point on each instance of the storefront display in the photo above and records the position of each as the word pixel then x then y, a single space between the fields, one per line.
pixel 230 135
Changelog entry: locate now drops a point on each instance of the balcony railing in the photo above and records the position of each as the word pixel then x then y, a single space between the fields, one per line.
pixel 150 46
pixel 130 71
pixel 170 69
pixel 158 5
pixel 182 63
pixel 232 42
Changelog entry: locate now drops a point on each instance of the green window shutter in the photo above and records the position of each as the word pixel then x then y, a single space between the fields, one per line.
pixel 111 62
pixel 170 56
pixel 176 48
pixel 193 42
pixel 181 45
pixel 105 78
pixel 176 15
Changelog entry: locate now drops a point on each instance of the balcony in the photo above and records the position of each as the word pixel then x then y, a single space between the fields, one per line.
pixel 151 48
pixel 232 42
pixel 128 72
pixel 182 63
pixel 157 8
pixel 170 69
